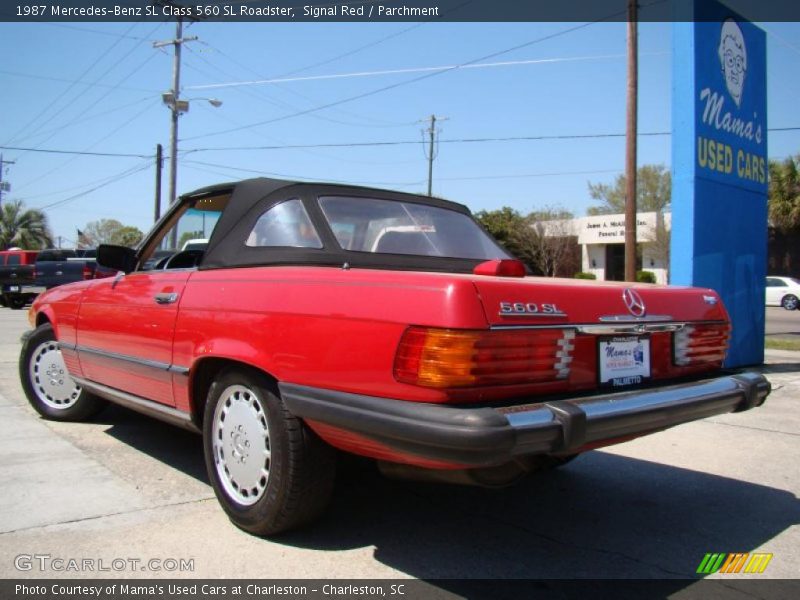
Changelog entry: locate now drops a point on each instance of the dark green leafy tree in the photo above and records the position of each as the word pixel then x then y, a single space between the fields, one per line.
pixel 512 230
pixel 24 228
pixel 784 194
pixel 542 239
pixel 653 192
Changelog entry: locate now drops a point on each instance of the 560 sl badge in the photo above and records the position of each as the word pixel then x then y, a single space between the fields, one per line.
pixel 530 309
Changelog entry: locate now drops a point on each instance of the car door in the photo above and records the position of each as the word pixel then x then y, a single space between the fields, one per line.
pixel 125 332
pixel 774 291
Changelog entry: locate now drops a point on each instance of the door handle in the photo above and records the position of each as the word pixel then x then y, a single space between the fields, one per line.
pixel 166 298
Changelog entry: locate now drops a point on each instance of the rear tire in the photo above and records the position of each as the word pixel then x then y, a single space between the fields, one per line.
pixel 790 302
pixel 269 471
pixel 47 383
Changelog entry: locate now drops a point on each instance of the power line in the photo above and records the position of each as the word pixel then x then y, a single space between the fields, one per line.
pixel 516 138
pixel 358 144
pixel 97 31
pixel 361 74
pixel 74 81
pixel 108 135
pixel 72 85
pixel 404 183
pixel 110 180
pixel 76 122
pixel 93 103
pixel 406 82
pixel 76 152
pixel 296 177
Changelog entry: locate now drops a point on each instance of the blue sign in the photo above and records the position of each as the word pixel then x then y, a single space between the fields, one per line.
pixel 719 167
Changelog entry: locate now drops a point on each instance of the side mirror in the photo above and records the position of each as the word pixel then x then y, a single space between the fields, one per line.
pixel 119 258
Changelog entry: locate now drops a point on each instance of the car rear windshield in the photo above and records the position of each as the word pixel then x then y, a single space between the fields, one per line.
pixel 392 227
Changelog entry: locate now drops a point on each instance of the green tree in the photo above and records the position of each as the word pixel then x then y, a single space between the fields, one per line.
pixel 25 228
pixel 511 229
pixel 541 239
pixel 784 194
pixel 653 192
pixel 128 236
pixel 111 231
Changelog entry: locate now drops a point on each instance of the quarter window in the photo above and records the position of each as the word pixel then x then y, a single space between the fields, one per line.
pixel 285 224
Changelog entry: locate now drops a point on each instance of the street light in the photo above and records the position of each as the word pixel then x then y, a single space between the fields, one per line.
pixel 178 107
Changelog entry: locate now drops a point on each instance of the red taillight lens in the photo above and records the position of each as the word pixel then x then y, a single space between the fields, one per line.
pixel 701 344
pixel 449 358
pixel 88 272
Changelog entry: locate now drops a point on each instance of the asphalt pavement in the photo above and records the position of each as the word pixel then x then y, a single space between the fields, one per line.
pixel 782 323
pixel 129 489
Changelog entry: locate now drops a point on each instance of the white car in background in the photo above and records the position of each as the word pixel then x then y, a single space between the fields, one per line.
pixel 783 291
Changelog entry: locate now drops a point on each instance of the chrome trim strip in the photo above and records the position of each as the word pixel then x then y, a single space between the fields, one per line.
pixel 631 319
pixel 153 364
pixel 600 329
pixel 158 411
pixel 638 328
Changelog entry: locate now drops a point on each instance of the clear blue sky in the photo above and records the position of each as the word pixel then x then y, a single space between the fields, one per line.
pixel 116 108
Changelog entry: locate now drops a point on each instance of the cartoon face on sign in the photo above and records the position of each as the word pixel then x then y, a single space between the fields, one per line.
pixel 733 58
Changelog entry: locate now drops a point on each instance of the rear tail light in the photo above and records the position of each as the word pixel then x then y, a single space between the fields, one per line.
pixel 701 344
pixel 448 358
pixel 88 272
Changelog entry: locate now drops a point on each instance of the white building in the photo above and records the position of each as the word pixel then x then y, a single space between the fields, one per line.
pixel 602 241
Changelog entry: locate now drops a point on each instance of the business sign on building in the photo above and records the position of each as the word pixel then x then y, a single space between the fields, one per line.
pixel 719 166
pixel 610 229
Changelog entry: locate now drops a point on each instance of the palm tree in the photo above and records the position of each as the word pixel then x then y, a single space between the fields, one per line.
pixel 784 194
pixel 27 229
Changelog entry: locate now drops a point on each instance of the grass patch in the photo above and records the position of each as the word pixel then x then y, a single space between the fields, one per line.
pixel 782 344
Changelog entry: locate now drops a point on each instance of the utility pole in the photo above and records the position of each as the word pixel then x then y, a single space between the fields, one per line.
pixel 159 167
pixel 431 154
pixel 630 147
pixel 4 185
pixel 176 106
pixel 173 102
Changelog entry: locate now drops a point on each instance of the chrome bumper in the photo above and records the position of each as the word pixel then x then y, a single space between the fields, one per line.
pixel 494 435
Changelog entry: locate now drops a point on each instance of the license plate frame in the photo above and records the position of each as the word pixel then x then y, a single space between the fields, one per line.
pixel 623 360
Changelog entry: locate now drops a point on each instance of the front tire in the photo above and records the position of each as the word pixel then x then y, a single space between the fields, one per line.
pixel 16 302
pixel 790 302
pixel 269 471
pixel 47 383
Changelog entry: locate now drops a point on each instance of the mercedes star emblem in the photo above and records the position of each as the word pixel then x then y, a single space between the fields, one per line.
pixel 634 302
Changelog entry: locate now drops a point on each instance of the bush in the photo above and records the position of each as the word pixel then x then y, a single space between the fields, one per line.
pixel 645 277
pixel 583 275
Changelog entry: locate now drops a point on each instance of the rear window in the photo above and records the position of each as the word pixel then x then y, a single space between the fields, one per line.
pixel 391 227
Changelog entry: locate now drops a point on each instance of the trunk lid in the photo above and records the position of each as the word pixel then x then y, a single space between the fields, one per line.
pixel 542 301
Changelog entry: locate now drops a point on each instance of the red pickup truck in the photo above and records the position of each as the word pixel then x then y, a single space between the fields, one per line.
pixel 322 317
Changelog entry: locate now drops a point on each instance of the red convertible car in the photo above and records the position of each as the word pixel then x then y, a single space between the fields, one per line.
pixel 322 317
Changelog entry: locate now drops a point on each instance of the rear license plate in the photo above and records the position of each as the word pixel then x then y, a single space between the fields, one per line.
pixel 13 288
pixel 623 360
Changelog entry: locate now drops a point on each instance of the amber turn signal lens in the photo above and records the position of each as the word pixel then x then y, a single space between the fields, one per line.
pixel 449 358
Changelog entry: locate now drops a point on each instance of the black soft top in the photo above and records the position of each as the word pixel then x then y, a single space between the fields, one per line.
pixel 250 198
